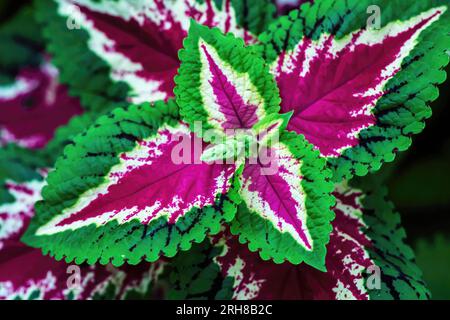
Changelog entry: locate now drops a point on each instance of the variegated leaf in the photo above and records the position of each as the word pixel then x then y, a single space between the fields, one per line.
pixel 221 84
pixel 130 47
pixel 26 274
pixel 367 258
pixel 286 201
pixel 358 90
pixel 112 197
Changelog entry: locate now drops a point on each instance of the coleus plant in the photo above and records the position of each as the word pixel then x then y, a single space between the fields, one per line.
pixel 369 108
pixel 338 93
pixel 137 197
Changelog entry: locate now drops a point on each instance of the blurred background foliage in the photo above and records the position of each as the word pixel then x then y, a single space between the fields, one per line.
pixel 418 180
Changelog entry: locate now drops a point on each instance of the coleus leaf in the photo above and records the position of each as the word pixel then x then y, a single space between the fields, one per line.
pixel 33 101
pixel 366 236
pixel 285 212
pixel 221 84
pixel 194 274
pixel 130 48
pixel 26 274
pixel 111 197
pixel 358 93
pixel 33 106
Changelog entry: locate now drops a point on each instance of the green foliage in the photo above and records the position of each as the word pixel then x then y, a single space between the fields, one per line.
pixel 93 141
pixel 65 135
pixel 195 275
pixel 21 44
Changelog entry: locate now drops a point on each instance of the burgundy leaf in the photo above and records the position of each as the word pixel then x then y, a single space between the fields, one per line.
pixel 332 84
pixel 142 185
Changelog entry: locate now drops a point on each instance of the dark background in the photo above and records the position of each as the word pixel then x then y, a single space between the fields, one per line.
pixel 418 182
